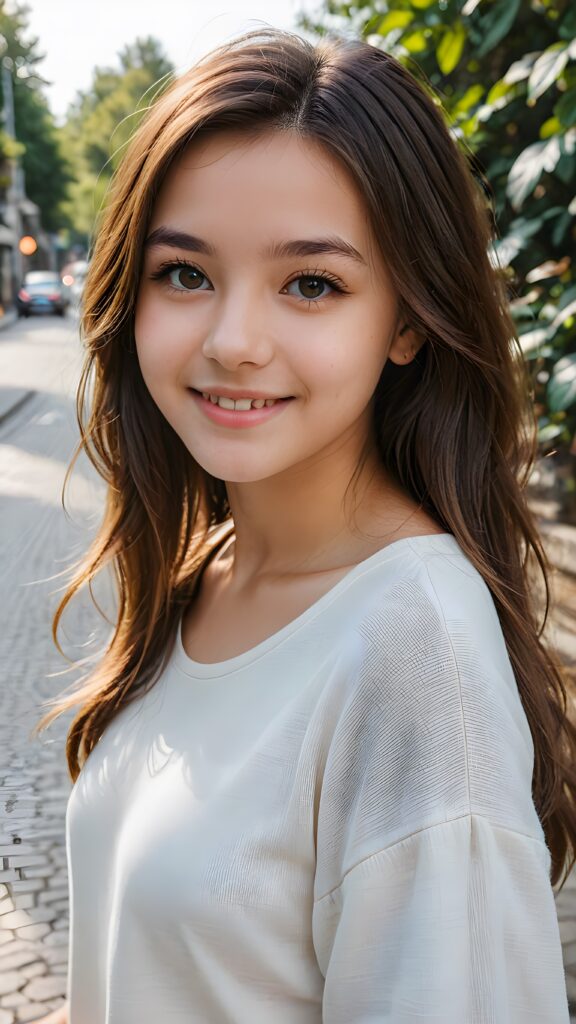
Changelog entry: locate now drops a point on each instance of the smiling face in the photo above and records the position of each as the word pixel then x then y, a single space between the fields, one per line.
pixel 232 306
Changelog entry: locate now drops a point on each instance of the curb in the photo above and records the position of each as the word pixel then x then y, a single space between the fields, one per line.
pixel 22 396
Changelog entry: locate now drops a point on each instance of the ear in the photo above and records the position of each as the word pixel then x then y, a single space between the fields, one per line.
pixel 406 343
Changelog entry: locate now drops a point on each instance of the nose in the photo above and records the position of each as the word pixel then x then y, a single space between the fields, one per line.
pixel 238 333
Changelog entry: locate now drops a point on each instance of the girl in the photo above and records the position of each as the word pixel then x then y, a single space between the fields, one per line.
pixel 323 771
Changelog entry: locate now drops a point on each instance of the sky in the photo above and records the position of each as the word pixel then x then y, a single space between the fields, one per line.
pixel 78 35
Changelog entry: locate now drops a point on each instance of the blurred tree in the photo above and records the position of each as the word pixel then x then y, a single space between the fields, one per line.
pixel 102 120
pixel 504 72
pixel 46 170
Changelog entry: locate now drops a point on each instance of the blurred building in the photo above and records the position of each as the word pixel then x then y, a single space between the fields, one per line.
pixel 19 217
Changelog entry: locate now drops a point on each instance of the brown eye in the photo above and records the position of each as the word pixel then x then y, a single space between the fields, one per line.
pixel 186 277
pixel 314 288
pixel 311 287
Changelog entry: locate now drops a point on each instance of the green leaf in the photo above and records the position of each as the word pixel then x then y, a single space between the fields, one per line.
pixel 415 42
pixel 566 168
pixel 550 431
pixel 550 127
pixel 9 147
pixel 473 95
pixel 569 141
pixel 562 316
pixel 534 342
pixel 521 69
pixel 527 170
pixel 395 19
pixel 450 48
pixel 547 69
pixel 525 313
pixel 499 96
pixel 542 352
pixel 567 297
pixel 552 211
pixel 561 391
pixel 565 108
pixel 371 26
pixel 567 29
pixel 421 5
pixel 531 340
pixel 498 90
pixel 497 24
pixel 520 231
pixel 469 127
pixel 561 227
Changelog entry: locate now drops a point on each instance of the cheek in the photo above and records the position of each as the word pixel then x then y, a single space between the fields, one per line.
pixel 345 364
pixel 158 334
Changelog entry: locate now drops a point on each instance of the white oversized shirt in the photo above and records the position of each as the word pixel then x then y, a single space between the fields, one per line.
pixel 335 826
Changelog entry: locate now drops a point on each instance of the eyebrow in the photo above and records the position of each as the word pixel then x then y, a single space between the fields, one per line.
pixel 299 247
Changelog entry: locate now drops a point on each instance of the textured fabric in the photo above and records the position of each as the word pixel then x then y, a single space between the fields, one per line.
pixel 336 826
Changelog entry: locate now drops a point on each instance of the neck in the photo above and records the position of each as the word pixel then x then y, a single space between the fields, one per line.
pixel 313 520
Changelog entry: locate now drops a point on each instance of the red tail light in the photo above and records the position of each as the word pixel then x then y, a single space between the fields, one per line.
pixel 23 294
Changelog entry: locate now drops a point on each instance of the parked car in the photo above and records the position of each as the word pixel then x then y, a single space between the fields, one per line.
pixel 73 278
pixel 42 291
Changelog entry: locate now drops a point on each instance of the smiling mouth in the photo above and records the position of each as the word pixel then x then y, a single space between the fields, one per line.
pixel 240 404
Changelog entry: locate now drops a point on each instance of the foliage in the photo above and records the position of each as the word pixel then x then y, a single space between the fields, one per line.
pixel 505 74
pixel 101 121
pixel 10 149
pixel 46 170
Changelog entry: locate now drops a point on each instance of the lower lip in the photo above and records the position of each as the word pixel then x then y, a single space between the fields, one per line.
pixel 235 418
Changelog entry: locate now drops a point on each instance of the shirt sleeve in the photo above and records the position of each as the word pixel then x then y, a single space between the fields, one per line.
pixel 454 924
pixel 432 896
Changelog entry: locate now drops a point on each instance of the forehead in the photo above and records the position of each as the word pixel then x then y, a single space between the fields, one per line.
pixel 277 181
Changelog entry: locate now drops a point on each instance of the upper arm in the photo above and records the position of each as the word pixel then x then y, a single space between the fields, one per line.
pixel 432 729
pixel 428 841
pixel 454 924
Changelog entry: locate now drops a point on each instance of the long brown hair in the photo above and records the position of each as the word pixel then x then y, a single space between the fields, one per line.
pixel 455 428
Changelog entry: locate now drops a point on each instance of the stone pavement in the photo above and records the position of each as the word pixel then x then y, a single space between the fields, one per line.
pixel 37 542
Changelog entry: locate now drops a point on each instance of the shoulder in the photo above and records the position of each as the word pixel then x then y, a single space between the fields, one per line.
pixel 435 606
pixel 432 634
pixel 432 708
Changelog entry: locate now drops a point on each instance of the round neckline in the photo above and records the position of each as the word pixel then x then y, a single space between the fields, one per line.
pixel 205 670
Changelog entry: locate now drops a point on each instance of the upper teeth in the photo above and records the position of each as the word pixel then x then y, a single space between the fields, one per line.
pixel 239 403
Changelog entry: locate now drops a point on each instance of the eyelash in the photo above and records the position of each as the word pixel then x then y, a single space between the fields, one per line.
pixel 163 271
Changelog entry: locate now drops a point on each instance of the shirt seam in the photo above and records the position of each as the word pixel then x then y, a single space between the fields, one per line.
pixel 457 667
pixel 428 828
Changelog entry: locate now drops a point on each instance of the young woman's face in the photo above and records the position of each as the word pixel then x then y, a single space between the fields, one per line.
pixel 253 301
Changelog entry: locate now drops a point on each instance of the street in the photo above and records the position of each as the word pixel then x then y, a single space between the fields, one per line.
pixel 38 543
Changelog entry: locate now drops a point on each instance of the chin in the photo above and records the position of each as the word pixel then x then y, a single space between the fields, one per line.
pixel 230 472
pixel 234 474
